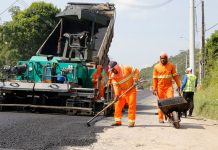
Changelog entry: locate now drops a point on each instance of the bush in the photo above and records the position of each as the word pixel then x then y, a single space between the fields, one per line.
pixel 206 102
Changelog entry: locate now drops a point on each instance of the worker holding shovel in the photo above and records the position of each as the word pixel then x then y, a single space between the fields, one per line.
pixel 122 78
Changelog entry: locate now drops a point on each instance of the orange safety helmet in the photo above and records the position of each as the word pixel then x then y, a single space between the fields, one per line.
pixel 163 54
pixel 99 67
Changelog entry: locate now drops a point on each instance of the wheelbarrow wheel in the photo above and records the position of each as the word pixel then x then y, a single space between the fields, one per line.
pixel 176 120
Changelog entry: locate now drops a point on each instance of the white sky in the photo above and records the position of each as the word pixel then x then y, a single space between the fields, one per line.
pixel 142 29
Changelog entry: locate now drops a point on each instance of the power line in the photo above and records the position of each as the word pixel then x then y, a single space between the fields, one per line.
pixel 22 2
pixel 212 27
pixel 196 22
pixel 196 27
pixel 9 7
pixel 197 4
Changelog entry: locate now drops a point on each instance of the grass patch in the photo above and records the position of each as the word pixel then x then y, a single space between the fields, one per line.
pixel 206 102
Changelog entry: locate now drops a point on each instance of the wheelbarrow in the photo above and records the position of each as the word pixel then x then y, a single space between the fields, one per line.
pixel 173 108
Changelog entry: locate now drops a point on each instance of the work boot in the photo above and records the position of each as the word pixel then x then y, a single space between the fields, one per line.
pixel 185 114
pixel 189 115
pixel 131 125
pixel 116 124
pixel 170 120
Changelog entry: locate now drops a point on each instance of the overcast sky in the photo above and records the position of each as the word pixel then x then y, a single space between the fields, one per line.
pixel 144 28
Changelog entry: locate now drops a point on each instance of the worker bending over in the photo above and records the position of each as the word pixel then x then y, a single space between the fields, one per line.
pixel 123 78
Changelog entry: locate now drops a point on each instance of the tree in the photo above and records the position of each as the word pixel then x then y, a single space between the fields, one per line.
pixel 14 10
pixel 7 55
pixel 211 60
pixel 212 47
pixel 29 28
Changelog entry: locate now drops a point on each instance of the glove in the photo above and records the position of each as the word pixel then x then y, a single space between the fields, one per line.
pixel 154 92
pixel 99 78
pixel 136 82
pixel 94 81
pixel 179 91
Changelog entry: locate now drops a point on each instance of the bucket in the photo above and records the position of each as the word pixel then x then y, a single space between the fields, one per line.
pixel 60 78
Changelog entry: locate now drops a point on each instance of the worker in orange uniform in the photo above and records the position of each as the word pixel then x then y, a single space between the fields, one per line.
pixel 162 80
pixel 122 78
pixel 98 81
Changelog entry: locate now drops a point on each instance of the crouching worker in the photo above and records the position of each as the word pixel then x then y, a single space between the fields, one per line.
pixel 123 78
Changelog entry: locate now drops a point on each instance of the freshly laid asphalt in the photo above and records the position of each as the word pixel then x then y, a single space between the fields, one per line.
pixel 37 131
pixel 42 131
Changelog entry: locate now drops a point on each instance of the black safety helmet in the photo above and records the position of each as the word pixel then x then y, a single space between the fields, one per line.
pixel 112 64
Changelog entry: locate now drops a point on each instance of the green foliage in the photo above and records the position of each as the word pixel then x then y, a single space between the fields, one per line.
pixel 29 28
pixel 206 99
pixel 212 46
pixel 7 56
pixel 211 60
pixel 14 11
pixel 211 74
pixel 206 102
pixel 146 73
pixel 180 62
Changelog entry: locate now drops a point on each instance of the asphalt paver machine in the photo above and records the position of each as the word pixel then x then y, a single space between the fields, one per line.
pixel 59 76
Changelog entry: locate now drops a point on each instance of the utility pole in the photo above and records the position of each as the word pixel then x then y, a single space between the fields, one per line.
pixel 203 43
pixel 192 36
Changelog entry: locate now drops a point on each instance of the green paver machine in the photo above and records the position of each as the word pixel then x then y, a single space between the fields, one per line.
pixel 59 76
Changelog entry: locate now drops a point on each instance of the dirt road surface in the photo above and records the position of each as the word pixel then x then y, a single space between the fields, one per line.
pixel 195 133
pixel 61 132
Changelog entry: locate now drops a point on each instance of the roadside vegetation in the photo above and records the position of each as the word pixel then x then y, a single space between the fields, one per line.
pixel 206 98
pixel 206 102
pixel 21 37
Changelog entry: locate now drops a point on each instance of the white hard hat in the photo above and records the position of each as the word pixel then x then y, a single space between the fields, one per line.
pixel 188 69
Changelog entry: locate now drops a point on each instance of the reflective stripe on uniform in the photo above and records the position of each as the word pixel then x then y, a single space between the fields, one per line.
pixel 175 74
pixel 164 76
pixel 131 121
pixel 117 119
pixel 125 79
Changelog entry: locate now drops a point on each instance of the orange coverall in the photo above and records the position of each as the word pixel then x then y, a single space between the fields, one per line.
pixel 95 77
pixel 162 82
pixel 121 82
